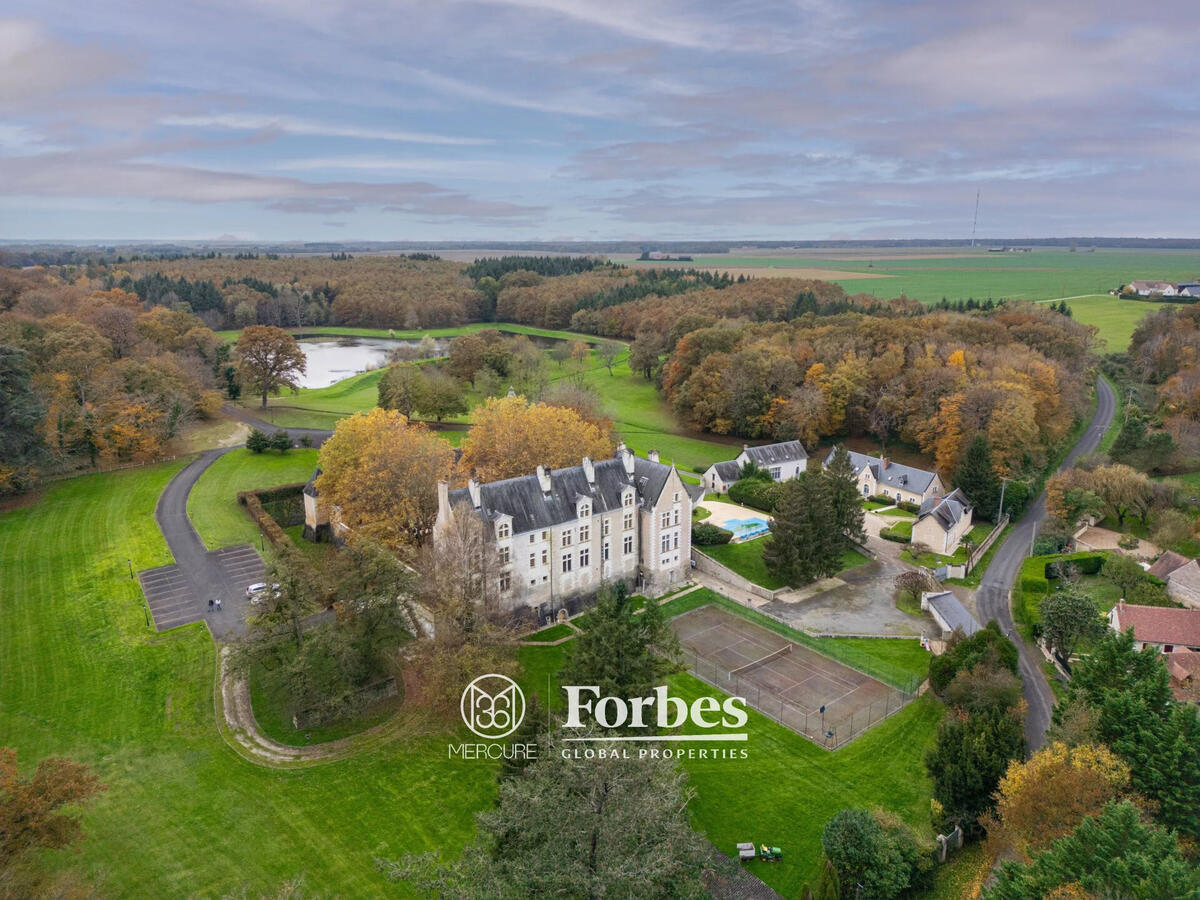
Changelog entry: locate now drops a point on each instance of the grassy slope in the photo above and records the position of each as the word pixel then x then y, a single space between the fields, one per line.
pixel 213 506
pixel 184 815
pixel 416 335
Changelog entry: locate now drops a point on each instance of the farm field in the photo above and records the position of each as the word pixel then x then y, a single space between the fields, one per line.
pixel 81 675
pixel 1113 317
pixel 1043 274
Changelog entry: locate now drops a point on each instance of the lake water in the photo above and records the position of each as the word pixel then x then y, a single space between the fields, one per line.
pixel 329 361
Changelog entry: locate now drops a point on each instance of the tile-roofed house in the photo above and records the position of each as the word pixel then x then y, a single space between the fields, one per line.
pixel 562 533
pixel 1189 289
pixel 1182 576
pixel 948 611
pixel 879 476
pixel 784 460
pixel 1183 665
pixel 943 521
pixel 1162 627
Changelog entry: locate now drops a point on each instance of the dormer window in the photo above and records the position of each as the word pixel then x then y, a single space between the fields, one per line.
pixel 585 510
pixel 628 499
pixel 503 531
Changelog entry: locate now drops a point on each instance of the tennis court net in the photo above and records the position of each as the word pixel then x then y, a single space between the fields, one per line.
pixel 761 661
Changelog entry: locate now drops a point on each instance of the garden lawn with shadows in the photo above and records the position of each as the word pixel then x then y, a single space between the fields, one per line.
pixel 81 675
pixel 746 559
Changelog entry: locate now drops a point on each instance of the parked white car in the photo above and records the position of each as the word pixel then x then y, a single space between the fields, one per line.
pixel 256 593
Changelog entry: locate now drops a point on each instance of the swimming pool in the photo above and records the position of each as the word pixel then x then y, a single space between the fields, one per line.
pixel 746 529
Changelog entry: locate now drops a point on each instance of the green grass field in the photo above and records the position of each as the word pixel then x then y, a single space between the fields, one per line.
pixel 1114 318
pixel 81 675
pixel 746 559
pixel 1043 274
pixel 212 505
pixel 416 335
pixel 185 816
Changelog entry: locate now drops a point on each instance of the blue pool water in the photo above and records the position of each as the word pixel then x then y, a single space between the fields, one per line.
pixel 745 529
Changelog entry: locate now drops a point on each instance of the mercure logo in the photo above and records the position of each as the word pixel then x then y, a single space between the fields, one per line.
pixel 492 706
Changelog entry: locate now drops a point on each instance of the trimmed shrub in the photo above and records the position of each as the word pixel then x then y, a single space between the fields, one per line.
pixel 705 534
pixel 901 532
pixel 909 507
pixel 756 493
pixel 257 441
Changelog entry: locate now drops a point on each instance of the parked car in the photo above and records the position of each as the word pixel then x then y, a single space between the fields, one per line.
pixel 256 593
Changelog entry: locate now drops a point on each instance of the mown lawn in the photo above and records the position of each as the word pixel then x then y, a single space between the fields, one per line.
pixel 212 505
pixel 746 559
pixel 185 816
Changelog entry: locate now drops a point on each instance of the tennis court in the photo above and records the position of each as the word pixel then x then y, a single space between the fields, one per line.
pixel 784 680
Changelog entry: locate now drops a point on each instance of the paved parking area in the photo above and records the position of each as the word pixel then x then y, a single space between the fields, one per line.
pixel 174 600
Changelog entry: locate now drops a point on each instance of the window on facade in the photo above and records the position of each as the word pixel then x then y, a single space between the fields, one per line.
pixel 605 527
pixel 585 557
pixel 666 542
pixel 676 541
pixel 628 521
pixel 776 472
pixel 566 563
pixel 503 531
pixel 585 533
pixel 604 552
pixel 666 520
pixel 505 583
pixel 532 560
pixel 677 496
pixel 545 556
pixel 676 517
pixel 532 537
pixel 629 499
pixel 628 544
pixel 566 538
pixel 585 510
pixel 505 556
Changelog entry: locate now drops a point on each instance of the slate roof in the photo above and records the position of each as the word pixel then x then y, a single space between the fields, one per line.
pixel 951 611
pixel 311 487
pixel 770 454
pixel 727 471
pixel 1159 624
pixel 531 510
pixel 1167 563
pixel 947 511
pixel 895 475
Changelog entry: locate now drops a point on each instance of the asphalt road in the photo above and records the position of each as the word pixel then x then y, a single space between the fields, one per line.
pixel 180 593
pixel 992 596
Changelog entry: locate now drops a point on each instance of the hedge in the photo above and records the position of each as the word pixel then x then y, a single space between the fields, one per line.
pixel 756 493
pixel 901 532
pixel 705 534
pixel 1035 571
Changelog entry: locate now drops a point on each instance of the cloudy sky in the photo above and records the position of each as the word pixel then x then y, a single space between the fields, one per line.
pixel 597 119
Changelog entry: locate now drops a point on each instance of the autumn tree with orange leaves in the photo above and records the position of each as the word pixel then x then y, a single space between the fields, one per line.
pixel 511 436
pixel 379 475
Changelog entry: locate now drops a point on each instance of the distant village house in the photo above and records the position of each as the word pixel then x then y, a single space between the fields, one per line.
pixel 880 477
pixel 943 522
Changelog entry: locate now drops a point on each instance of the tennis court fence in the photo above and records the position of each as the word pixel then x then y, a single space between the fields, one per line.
pixel 839 722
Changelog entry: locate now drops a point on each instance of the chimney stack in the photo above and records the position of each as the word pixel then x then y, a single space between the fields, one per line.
pixel 473 488
pixel 620 449
pixel 627 459
pixel 589 471
pixel 884 463
pixel 443 495
pixel 652 456
pixel 543 475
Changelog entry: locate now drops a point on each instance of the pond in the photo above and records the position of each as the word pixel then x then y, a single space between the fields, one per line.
pixel 330 361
